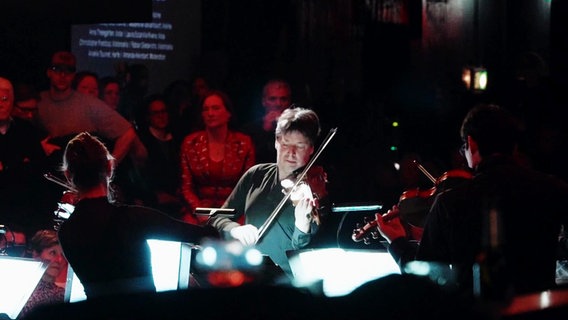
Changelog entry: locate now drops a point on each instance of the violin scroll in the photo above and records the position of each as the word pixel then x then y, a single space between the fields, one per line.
pixel 366 232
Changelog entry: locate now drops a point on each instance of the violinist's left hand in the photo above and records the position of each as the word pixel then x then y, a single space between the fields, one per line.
pixel 389 225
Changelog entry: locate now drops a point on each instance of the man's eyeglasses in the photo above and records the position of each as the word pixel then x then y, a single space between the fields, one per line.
pixel 463 148
pixel 63 69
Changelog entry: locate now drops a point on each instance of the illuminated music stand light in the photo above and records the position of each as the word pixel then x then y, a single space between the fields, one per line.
pixel 18 279
pixel 171 262
pixel 345 265
pixel 341 271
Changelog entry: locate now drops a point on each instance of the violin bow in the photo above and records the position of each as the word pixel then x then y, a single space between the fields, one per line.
pixel 424 171
pixel 49 176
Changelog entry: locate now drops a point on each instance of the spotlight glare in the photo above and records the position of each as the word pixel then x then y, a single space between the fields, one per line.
pixel 209 256
pixel 481 84
pixel 253 257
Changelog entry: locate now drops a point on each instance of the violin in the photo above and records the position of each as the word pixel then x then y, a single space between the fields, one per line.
pixel 414 204
pixel 66 205
pixel 312 186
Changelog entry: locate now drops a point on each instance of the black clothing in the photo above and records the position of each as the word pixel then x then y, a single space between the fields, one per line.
pixel 162 172
pixel 162 166
pixel 106 244
pixel 22 162
pixel 532 206
pixel 256 195
pixel 265 151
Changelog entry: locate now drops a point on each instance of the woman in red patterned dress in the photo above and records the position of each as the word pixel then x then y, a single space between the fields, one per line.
pixel 213 159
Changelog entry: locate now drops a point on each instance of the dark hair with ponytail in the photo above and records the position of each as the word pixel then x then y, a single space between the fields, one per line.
pixel 86 161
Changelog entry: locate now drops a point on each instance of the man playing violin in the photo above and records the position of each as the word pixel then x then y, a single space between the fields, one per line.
pixel 259 191
pixel 530 207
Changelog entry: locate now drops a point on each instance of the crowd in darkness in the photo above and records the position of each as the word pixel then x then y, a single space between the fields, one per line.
pixel 187 147
pixel 151 173
pixel 174 151
pixel 144 130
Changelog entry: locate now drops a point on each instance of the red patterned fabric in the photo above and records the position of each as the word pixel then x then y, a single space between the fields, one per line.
pixel 206 183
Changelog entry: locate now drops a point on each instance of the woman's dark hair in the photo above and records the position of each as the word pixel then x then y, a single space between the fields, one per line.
pixel 25 91
pixel 104 81
pixel 226 101
pixel 493 128
pixel 86 161
pixel 81 75
pixel 42 240
pixel 302 120
pixel 151 98
pixel 145 108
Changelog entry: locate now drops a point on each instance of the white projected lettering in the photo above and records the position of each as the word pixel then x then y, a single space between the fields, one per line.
pixel 139 41
pixel 166 44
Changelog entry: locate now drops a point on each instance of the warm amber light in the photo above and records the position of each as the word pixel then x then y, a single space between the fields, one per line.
pixel 466 77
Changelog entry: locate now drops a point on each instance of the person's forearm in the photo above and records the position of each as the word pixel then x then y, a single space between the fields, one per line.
pixel 122 144
pixel 138 151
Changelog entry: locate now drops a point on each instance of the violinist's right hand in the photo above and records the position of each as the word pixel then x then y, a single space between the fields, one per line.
pixel 247 234
pixel 70 197
pixel 389 225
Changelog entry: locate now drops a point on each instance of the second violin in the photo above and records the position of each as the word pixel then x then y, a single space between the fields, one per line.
pixel 414 204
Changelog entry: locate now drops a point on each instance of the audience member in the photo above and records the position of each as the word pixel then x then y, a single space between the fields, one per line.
pixel 184 101
pixel 162 170
pixel 63 113
pixel 133 93
pixel 86 82
pixel 528 206
pixel 26 98
pixel 259 192
pixel 21 164
pixel 80 112
pixel 105 243
pixel 213 159
pixel 109 91
pixel 199 89
pixel 276 96
pixel 183 114
pixel 44 246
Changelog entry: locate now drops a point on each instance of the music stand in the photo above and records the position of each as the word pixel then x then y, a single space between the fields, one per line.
pixel 210 212
pixel 18 279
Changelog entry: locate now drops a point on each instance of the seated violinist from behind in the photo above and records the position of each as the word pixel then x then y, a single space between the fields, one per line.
pixel 531 207
pixel 420 189
pixel 259 191
pixel 104 242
